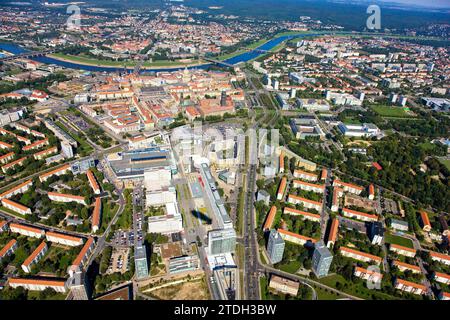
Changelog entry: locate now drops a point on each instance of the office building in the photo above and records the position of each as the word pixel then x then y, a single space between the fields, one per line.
pixel 221 241
pixel 140 261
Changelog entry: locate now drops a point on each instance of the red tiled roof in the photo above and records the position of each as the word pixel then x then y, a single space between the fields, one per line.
pixel 396 246
pixel 83 252
pixel 304 199
pixel 45 282
pixel 367 255
pixel 296 235
pixel 333 230
pixel 33 255
pixel 23 227
pixel 358 213
pixel 282 186
pixel 63 236
pixel 97 211
pixel 7 247
pixel 303 213
pixel 270 218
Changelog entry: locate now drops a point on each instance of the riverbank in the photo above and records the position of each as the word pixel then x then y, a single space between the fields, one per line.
pixel 122 64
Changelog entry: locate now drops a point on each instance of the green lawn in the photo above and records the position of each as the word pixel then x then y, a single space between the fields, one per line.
pixel 390 238
pixel 290 267
pixel 325 294
pixel 120 64
pixel 355 289
pixel 395 112
pixel 35 295
pixel 445 162
pixel 83 147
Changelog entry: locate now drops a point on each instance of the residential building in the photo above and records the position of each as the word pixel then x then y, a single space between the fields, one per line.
pixel 309 204
pixel 61 197
pixel 333 234
pixel 36 145
pixel 295 238
pixel 305 175
pixel 304 214
pixel 8 249
pixel 426 225
pixel 281 188
pixel 58 171
pixel 16 207
pixel 348 187
pixel 337 193
pixel 3 226
pixel 402 266
pixel 270 218
pixel 358 255
pixel 13 164
pixel 404 251
pixel 440 257
pixel 34 257
pixel 317 188
pixel 44 153
pixel 38 284
pixel 275 247
pixel 321 260
pixel 96 214
pixel 369 275
pixel 26 230
pixel 93 182
pixel 349 213
pixel 63 239
pixel 82 257
pixel 441 278
pixel 410 287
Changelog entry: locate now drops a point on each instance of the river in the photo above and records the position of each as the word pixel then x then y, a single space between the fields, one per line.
pixel 243 57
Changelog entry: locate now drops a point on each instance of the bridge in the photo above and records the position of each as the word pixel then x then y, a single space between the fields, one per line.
pixel 219 63
pixel 27 55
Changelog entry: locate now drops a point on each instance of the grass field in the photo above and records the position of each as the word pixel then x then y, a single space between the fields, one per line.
pixel 394 112
pixel 390 238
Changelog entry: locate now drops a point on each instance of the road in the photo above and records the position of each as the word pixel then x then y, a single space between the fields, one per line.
pixel 251 266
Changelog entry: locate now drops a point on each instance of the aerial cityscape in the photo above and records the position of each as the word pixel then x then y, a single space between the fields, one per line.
pixel 224 150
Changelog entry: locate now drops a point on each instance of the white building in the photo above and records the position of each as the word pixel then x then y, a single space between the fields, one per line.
pixel 61 197
pixel 16 207
pixel 38 284
pixel 169 223
pixel 160 198
pixel 26 230
pixel 34 257
pixel 63 239
pixel 310 204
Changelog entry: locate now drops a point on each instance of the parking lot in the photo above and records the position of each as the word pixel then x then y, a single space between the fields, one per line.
pixel 119 260
pixel 123 238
